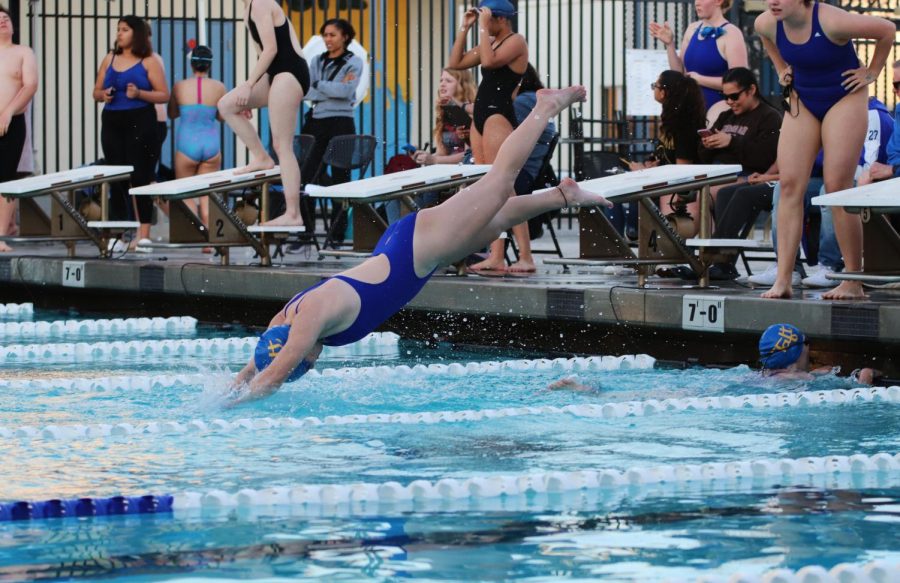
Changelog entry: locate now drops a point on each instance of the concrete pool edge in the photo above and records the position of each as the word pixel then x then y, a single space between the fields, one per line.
pixel 558 313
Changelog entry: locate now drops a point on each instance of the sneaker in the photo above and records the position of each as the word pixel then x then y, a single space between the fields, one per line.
pixel 117 246
pixel 767 277
pixel 143 246
pixel 818 277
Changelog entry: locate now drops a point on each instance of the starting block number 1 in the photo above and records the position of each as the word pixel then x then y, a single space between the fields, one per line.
pixel 706 313
pixel 73 274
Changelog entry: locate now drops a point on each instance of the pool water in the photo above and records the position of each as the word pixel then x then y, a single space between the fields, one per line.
pixel 372 417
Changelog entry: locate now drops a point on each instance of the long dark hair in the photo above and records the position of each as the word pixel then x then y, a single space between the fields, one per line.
pixel 683 107
pixel 344 26
pixel 531 81
pixel 141 46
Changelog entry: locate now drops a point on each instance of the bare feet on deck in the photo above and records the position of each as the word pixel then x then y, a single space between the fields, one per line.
pixel 255 165
pixel 578 197
pixel 560 99
pixel 489 265
pixel 522 267
pixel 285 220
pixel 847 290
pixel 779 291
pixel 4 248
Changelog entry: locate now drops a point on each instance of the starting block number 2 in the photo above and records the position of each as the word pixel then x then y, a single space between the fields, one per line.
pixel 705 313
pixel 73 274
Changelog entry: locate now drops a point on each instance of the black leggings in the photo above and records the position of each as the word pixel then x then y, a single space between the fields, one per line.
pixel 11 145
pixel 737 207
pixel 130 138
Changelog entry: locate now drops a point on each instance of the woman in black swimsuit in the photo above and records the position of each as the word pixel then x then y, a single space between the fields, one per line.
pixel 279 80
pixel 503 56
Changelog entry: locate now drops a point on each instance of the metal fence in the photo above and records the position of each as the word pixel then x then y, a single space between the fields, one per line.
pixel 408 41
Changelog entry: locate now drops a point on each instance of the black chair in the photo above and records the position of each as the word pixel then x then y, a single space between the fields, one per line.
pixel 348 153
pixel 546 178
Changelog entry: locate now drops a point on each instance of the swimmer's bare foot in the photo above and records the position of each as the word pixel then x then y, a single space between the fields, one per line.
pixel 779 291
pixel 256 164
pixel 4 248
pixel 847 290
pixel 559 99
pixel 285 220
pixel 489 264
pixel 522 267
pixel 578 197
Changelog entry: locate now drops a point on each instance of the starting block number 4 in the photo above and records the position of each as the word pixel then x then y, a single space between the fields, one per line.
pixel 73 274
pixel 706 313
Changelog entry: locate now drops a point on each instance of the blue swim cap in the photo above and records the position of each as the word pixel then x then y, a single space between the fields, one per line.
pixel 780 346
pixel 499 7
pixel 270 343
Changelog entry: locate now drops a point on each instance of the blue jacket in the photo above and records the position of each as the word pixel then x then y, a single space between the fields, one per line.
pixel 893 145
pixel 879 134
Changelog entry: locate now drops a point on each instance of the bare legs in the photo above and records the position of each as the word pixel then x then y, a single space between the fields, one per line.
pixel 469 219
pixel 798 146
pixel 842 134
pixel 486 147
pixel 283 99
pixel 7 221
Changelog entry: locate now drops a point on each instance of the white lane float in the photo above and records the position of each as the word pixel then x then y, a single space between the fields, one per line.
pixel 599 411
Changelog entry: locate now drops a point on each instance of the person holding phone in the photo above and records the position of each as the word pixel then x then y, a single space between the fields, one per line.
pixel 747 133
pixel 130 81
pixel 456 92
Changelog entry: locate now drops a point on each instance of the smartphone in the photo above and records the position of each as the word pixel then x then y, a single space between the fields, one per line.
pixel 705 133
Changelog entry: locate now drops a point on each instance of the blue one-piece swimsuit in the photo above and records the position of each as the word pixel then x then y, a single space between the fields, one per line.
pixel 380 301
pixel 702 56
pixel 818 66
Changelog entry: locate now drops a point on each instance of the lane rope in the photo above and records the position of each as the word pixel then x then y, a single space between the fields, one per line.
pixel 18 330
pixel 599 411
pixel 381 372
pixel 880 468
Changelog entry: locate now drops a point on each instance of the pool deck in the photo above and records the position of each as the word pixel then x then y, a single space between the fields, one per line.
pixel 580 311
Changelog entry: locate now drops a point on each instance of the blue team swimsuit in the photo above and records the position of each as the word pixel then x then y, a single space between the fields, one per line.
pixel 380 301
pixel 818 66
pixel 702 56
pixel 198 132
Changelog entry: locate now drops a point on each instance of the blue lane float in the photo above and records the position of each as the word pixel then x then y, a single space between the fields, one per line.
pixel 327 499
pixel 85 507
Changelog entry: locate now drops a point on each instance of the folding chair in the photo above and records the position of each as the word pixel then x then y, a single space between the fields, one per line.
pixel 546 178
pixel 350 152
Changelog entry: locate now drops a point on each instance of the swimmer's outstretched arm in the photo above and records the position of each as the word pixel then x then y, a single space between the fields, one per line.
pixel 301 342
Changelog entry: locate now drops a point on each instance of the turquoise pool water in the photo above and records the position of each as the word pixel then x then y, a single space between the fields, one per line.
pixel 434 426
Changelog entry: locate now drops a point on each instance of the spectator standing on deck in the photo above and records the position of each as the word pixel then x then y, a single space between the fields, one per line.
pixel 811 47
pixel 334 77
pixel 18 84
pixel 710 46
pixel 198 134
pixel 130 81
pixel 503 56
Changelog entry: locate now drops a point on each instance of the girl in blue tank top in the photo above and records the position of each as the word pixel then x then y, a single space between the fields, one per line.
pixel 348 306
pixel 709 47
pixel 826 103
